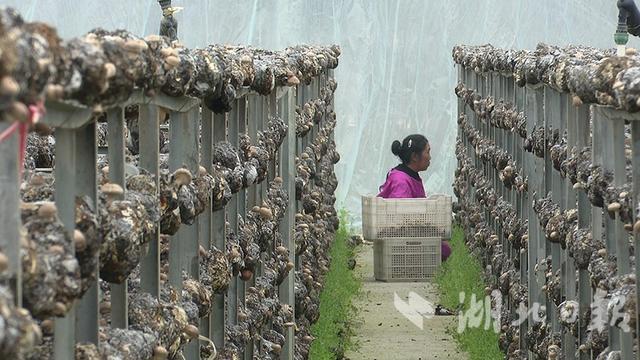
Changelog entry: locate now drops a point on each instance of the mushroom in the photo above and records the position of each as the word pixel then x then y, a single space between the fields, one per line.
pixel 182 177
pixel 47 210
pixel 79 240
pixel 112 191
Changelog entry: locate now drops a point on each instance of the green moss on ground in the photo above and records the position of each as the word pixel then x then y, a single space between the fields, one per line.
pixel 462 273
pixel 333 330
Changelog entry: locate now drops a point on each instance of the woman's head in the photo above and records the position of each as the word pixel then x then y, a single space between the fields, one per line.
pixel 414 151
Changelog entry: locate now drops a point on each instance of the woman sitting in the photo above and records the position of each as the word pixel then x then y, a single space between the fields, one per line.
pixel 403 180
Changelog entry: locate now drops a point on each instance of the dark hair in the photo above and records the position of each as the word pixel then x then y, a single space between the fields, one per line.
pixel 412 144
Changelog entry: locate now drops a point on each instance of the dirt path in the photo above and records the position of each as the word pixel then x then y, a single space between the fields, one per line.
pixel 383 333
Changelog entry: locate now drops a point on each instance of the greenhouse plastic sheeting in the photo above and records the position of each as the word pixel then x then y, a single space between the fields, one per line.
pixel 396 75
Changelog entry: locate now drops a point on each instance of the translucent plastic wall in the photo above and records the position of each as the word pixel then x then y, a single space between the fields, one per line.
pixel 396 75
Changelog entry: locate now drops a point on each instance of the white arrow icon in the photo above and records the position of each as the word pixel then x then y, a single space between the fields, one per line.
pixel 415 309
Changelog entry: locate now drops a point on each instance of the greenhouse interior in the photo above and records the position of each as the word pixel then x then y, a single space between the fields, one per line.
pixel 303 179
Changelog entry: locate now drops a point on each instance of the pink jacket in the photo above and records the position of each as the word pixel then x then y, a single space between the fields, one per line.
pixel 400 184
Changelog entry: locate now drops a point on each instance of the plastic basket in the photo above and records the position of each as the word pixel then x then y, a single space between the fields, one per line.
pixel 411 259
pixel 406 218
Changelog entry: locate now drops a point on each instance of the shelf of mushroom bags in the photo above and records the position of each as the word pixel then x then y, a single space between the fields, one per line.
pixel 590 254
pixel 579 70
pixel 177 183
pixel 315 188
pixel 486 198
pixel 514 248
pixel 592 149
pixel 556 148
pixel 561 222
pixel 484 242
pixel 124 220
pixel 571 162
pixel 493 129
pixel 495 152
pixel 313 105
pixel 501 160
pixel 501 270
pixel 185 197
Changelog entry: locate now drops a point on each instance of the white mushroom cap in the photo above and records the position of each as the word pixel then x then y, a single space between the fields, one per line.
pixel 160 353
pixel 293 81
pixel 9 86
pixel 614 207
pixel 172 61
pixel 109 70
pixel 182 176
pixel 266 213
pixel 48 210
pixel 168 51
pixel 111 189
pixel 79 240
pixel 136 45
pixel 289 266
pixel 281 250
pixel 54 91
pixel 191 331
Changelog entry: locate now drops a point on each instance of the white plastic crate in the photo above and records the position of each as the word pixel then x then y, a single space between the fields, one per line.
pixel 409 259
pixel 406 218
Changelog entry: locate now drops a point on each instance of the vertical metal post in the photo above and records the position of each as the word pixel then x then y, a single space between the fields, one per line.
pixel 612 140
pixel 183 152
pixel 272 102
pixel 584 219
pixel 253 116
pixel 600 135
pixel 254 196
pixel 242 207
pixel 115 138
pixel 232 214
pixel 518 97
pixel 149 139
pixel 242 195
pixel 10 198
pixel 461 107
pixel 263 118
pixel 535 171
pixel 307 91
pixel 300 148
pixel 287 168
pixel 616 149
pixel 87 314
pixel 470 79
pixel 183 250
pixel 551 104
pixel 65 330
pixel 205 220
pixel 635 153
pixel 218 318
pixel 570 122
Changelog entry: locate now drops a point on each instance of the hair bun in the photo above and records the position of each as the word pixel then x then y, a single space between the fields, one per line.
pixel 396 147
